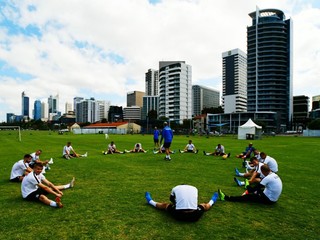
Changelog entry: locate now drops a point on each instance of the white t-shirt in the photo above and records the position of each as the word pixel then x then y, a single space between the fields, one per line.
pixel 112 148
pixel 138 146
pixel 186 197
pixel 67 150
pixel 30 183
pixel 34 158
pixel 190 146
pixel 273 186
pixel 272 163
pixel 18 169
pixel 220 150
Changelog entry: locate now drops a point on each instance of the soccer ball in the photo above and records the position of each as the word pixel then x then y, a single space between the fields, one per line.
pixel 225 156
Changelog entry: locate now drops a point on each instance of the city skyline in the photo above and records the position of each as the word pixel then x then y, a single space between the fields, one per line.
pixel 73 54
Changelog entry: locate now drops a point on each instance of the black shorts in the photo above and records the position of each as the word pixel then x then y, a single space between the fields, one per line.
pixel 34 196
pixel 16 179
pixel 167 144
pixel 190 151
pixel 186 215
pixel 156 140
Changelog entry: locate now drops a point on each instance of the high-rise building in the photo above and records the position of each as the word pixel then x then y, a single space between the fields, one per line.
pixel 132 113
pixel 68 107
pixel 37 110
pixel 53 104
pixel 269 64
pixel 204 97
pixel 75 101
pixel 44 111
pixel 152 82
pixel 24 105
pixel 87 111
pixel 175 87
pixel 134 98
pixel 300 112
pixel 234 81
pixel 115 114
pixel 103 109
pixel 149 103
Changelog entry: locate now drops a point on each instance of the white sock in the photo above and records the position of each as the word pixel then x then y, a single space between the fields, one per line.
pixel 241 174
pixel 153 203
pixel 53 204
pixel 242 183
pixel 167 156
pixel 211 202
pixel 66 186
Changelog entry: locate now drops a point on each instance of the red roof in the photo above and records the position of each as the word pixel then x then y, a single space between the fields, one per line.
pixel 105 125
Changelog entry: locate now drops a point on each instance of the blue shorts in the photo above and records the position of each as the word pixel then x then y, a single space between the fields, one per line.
pixel 167 144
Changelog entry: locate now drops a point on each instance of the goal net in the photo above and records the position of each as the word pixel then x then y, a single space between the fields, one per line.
pixel 12 128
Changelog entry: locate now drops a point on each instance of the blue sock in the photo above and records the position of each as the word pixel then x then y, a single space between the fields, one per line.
pixel 215 197
pixel 148 197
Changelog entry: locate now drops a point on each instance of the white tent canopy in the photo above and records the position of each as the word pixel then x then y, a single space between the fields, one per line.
pixel 249 129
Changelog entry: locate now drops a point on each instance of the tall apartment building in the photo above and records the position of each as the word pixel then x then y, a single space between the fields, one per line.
pixel 25 108
pixel 87 111
pixel 44 111
pixel 134 98
pixel 204 97
pixel 152 82
pixel 300 112
pixel 269 64
pixel 103 109
pixel 68 107
pixel 234 81
pixel 149 103
pixel 37 110
pixel 75 101
pixel 316 102
pixel 175 87
pixel 132 113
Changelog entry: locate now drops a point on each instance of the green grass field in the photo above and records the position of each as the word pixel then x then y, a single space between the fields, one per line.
pixel 108 201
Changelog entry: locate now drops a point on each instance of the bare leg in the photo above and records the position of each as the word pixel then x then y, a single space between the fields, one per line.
pixel 162 206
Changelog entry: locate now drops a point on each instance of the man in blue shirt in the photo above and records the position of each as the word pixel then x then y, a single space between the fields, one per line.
pixel 156 134
pixel 167 136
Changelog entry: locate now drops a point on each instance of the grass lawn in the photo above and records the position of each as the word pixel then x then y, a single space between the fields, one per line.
pixel 108 201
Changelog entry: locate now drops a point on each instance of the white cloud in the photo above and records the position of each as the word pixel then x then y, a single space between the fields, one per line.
pixel 142 34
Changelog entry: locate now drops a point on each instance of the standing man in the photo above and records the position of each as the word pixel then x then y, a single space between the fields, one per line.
pixel 167 136
pixel 20 169
pixel 184 203
pixel 35 187
pixel 156 134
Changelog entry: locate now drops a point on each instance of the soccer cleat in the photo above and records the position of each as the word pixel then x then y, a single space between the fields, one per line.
pixel 197 151
pixel 51 161
pixel 215 197
pixel 221 195
pixel 229 154
pixel 245 193
pixel 237 172
pixel 173 152
pixel 179 151
pixel 72 182
pixel 246 183
pixel 237 181
pixel 59 203
pixel 204 153
pixel 85 155
pixel 148 197
pixel 155 152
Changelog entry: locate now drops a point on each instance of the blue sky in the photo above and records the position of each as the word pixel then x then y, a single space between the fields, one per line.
pixel 102 49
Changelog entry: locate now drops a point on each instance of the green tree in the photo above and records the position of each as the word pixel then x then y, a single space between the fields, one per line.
pixel 314 125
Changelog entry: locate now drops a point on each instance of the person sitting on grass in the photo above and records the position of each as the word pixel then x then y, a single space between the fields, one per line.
pixel 20 169
pixel 112 149
pixel 184 203
pixel 68 152
pixel 271 162
pixel 268 191
pixel 36 159
pixel 247 152
pixel 190 148
pixel 136 149
pixel 219 151
pixel 35 186
pixel 162 149
pixel 255 174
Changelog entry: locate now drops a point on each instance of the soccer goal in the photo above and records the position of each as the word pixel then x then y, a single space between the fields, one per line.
pixel 14 128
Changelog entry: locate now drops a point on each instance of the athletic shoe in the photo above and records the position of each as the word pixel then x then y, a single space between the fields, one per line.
pixel 179 151
pixel 72 182
pixel 221 195
pixel 229 154
pixel 215 197
pixel 246 183
pixel 245 193
pixel 85 155
pixel 237 172
pixel 204 153
pixel 67 157
pixel 48 167
pixel 197 151
pixel 148 197
pixel 173 152
pixel 155 152
pixel 146 151
pixel 244 164
pixel 51 161
pixel 237 181
pixel 58 201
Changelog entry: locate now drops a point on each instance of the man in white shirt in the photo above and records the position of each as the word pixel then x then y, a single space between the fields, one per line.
pixel 68 152
pixel 271 162
pixel 218 151
pixel 20 169
pixel 136 149
pixel 184 203
pixel 267 192
pixel 35 187
pixel 112 149
pixel 190 148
